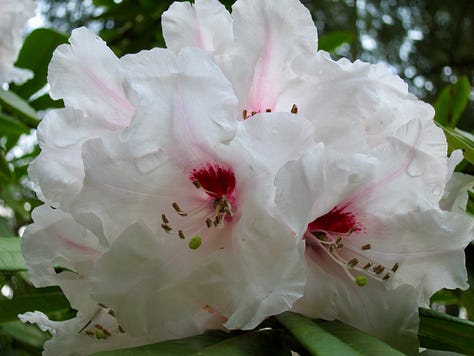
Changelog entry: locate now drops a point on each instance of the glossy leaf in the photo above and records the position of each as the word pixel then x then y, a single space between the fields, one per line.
pixel 35 55
pixel 16 104
pixel 451 102
pixel 26 333
pixel 11 258
pixel 358 340
pixel 333 40
pixel 46 300
pixel 313 337
pixel 10 124
pixel 444 332
pixel 459 139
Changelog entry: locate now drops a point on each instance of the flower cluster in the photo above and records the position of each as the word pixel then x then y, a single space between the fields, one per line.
pixel 237 174
pixel 13 16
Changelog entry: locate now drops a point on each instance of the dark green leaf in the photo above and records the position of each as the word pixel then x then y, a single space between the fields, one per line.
pixel 16 104
pixel 9 124
pixel 358 340
pixel 11 258
pixel 445 296
pixel 313 337
pixel 26 333
pixel 186 346
pixel 46 300
pixel 333 40
pixel 444 332
pixel 45 102
pixel 451 102
pixel 35 55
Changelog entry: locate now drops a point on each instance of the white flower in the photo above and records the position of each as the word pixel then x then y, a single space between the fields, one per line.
pixel 13 16
pixel 207 201
pixel 88 77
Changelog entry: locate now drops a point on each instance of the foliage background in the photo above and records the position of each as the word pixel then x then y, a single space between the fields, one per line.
pixel 429 43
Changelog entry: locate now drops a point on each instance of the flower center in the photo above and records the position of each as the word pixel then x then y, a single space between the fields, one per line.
pixel 329 231
pixel 218 183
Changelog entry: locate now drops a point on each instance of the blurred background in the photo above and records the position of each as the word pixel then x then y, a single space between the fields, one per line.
pixel 429 43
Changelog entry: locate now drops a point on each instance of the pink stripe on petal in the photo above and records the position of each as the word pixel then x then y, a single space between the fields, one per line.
pixel 76 246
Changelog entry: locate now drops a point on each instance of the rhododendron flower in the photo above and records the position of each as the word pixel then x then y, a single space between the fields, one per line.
pixel 203 183
pixel 13 17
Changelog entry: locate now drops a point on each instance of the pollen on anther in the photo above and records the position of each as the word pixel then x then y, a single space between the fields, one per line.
pixel 367 265
pixel 353 262
pixel 181 234
pixel 244 114
pixel 294 109
pixel 378 269
pixel 366 247
pixel 197 184
pixel 209 222
pixel 387 276
pixel 268 110
pixel 166 227
pixel 395 267
pixel 178 209
pixel 164 219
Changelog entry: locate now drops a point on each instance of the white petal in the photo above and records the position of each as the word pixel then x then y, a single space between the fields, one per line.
pixel 455 194
pixel 88 76
pixel 391 315
pixel 268 36
pixel 13 16
pixel 205 24
pixel 176 102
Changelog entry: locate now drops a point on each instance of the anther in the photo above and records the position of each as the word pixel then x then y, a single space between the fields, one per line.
pixel 353 262
pixel 253 113
pixel 366 247
pixel 178 209
pixel 244 114
pixel 98 326
pixel 367 266
pixel 164 219
pixel 197 184
pixel 90 333
pixel 395 267
pixel 268 110
pixel 387 276
pixel 121 329
pixel 378 269
pixel 338 240
pixel 166 227
pixel 340 246
pixel 181 234
pixel 102 305
pixel 294 109
pixel 217 220
pixel 209 222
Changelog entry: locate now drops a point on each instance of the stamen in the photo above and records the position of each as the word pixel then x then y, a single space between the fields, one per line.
pixel 217 220
pixel 294 109
pixel 178 209
pixel 268 110
pixel 197 184
pixel 387 276
pixel 209 222
pixel 111 312
pixel 353 262
pixel 121 329
pixel 90 333
pixel 366 247
pixel 244 114
pixel 164 219
pixel 367 266
pixel 166 227
pixel 395 267
pixel 181 234
pixel 378 269
pixel 253 113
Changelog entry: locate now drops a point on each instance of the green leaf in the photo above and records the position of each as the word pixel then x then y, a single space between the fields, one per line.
pixel 9 124
pixel 46 300
pixel 333 40
pixel 444 332
pixel 16 104
pixel 35 55
pixel 451 102
pixel 358 340
pixel 186 346
pixel 313 337
pixel 459 139
pixel 11 258
pixel 45 102
pixel 26 333
pixel 214 343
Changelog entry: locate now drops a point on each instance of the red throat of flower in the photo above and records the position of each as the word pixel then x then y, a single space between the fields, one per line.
pixel 217 181
pixel 337 221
